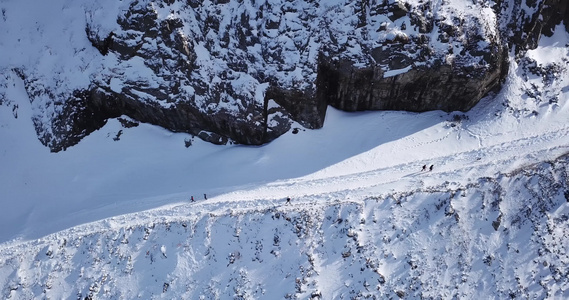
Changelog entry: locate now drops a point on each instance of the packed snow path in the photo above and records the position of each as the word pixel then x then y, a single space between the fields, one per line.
pixel 353 156
pixel 459 151
pixel 361 206
pixel 119 170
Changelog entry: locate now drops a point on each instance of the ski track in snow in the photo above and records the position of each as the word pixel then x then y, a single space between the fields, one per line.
pixel 550 144
pixel 362 162
pixel 313 191
pixel 482 145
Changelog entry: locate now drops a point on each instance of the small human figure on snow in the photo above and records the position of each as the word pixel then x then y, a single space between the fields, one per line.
pixel 431 168
pixel 287 200
pixel 424 168
pixel 204 196
pixel 192 199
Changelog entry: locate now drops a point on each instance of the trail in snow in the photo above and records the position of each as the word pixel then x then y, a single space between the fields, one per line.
pixel 498 155
pixel 353 156
pixel 457 157
pixel 459 169
pixel 67 218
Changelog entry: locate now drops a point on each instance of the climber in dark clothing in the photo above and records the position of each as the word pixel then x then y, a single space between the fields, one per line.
pixel 192 199
pixel 288 200
pixel 204 196
pixel 431 168
pixel 424 168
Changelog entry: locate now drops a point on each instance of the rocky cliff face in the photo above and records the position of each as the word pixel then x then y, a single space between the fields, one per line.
pixel 524 21
pixel 425 57
pixel 243 71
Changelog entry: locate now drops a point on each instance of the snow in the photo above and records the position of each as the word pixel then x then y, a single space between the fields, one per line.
pixel 148 176
pixel 116 85
pixel 396 72
pixel 551 49
pixel 111 216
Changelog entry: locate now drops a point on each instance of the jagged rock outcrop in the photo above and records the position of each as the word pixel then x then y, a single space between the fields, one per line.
pixel 524 21
pixel 428 58
pixel 245 70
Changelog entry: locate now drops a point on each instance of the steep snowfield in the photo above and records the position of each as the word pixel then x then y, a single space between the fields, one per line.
pixel 439 242
pixel 110 218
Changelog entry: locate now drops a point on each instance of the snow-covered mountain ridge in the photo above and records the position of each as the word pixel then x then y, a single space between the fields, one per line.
pixel 111 217
pixel 490 220
pixel 504 237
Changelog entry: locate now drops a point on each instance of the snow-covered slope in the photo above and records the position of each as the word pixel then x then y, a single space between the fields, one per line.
pixel 493 238
pixel 111 218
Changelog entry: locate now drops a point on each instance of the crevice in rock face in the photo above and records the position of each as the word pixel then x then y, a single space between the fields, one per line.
pixel 265 116
pixel 302 106
pixel 103 45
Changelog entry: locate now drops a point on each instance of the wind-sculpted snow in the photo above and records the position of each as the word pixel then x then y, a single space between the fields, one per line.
pixel 503 237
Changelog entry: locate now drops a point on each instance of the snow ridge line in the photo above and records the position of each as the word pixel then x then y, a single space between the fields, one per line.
pixel 179 213
pixel 345 188
pixel 470 159
pixel 220 206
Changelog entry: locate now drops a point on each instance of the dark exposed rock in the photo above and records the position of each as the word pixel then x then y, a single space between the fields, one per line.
pixel 497 222
pixel 102 45
pixel 127 123
pixel 416 90
pixel 81 115
pixel 302 106
pixel 522 30
pixel 397 10
pixel 551 14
